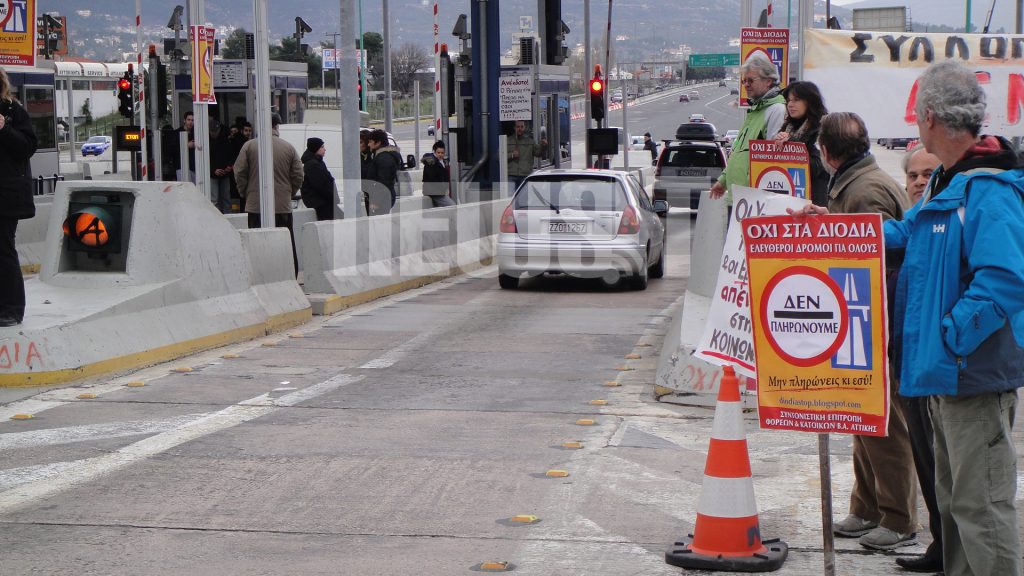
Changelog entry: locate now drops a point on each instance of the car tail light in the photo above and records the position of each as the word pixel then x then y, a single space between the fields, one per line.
pixel 508 221
pixel 629 224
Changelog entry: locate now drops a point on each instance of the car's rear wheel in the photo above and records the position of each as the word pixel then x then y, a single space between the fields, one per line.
pixel 508 282
pixel 657 270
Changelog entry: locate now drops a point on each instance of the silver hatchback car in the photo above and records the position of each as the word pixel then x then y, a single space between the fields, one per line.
pixel 586 223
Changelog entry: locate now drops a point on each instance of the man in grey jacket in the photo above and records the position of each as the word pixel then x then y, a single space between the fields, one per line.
pixel 521 152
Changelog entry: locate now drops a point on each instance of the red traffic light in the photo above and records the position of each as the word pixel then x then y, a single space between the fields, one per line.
pixel 124 84
pixel 596 85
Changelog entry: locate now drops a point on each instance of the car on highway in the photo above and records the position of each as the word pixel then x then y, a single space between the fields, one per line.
pixel 684 97
pixel 582 223
pixel 892 143
pixel 721 83
pixel 731 136
pixel 694 95
pixel 95 145
pixel 697 118
pixel 734 91
pixel 685 170
pixel 616 98
pixel 697 131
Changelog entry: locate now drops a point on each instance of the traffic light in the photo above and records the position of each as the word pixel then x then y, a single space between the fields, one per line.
pixel 360 95
pixel 125 96
pixel 94 227
pixel 597 97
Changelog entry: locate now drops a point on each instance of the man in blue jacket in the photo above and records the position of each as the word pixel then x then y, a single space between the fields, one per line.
pixel 960 319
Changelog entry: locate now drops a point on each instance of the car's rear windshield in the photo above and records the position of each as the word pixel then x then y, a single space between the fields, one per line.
pixel 695 157
pixel 96 139
pixel 558 193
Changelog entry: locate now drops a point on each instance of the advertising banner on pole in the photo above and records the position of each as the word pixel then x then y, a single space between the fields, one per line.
pixel 202 64
pixel 780 169
pixel 849 67
pixel 727 337
pixel 772 43
pixel 820 328
pixel 17 32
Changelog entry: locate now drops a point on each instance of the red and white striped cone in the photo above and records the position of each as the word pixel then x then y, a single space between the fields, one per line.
pixel 727 533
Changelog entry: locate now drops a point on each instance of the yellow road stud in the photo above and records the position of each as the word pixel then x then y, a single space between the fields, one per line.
pixel 138 383
pixel 182 370
pixel 624 368
pixel 86 396
pixel 612 384
pixel 524 518
pixel 22 417
pixel 296 335
pixel 556 473
pixel 269 344
pixel 632 356
pixel 585 422
pixel 572 445
pixel 598 402
pixel 499 566
pixel 230 356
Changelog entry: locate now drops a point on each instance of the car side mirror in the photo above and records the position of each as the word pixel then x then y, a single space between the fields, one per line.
pixel 661 207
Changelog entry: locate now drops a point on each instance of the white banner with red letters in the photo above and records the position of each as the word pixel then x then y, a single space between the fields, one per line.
pixel 875 75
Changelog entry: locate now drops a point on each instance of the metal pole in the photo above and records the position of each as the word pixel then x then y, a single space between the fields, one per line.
pixel 140 103
pixel 416 114
pixel 825 475
pixel 388 110
pixel 967 24
pixel 437 76
pixel 72 131
pixel 264 141
pixel 350 167
pixel 1020 16
pixel 158 171
pixel 789 14
pixel 607 57
pixel 362 59
pixel 805 19
pixel 828 11
pixel 588 71
pixel 197 17
pixel 625 126
pixel 746 11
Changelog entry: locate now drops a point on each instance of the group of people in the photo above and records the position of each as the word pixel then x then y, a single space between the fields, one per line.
pixel 954 238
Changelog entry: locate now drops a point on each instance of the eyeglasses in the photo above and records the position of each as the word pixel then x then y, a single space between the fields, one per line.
pixel 749 80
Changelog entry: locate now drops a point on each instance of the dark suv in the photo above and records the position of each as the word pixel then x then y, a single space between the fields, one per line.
pixel 685 170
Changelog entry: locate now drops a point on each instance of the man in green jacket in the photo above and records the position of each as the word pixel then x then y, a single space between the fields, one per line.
pixel 521 152
pixel 763 120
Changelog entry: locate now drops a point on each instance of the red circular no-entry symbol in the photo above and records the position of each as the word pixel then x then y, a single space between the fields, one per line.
pixel 804 315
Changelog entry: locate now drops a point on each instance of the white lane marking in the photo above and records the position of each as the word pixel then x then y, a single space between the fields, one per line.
pixel 17 476
pixel 388 359
pixel 70 434
pixel 82 471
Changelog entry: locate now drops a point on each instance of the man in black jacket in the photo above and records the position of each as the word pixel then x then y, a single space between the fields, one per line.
pixel 317 182
pixel 436 176
pixel 386 163
pixel 17 145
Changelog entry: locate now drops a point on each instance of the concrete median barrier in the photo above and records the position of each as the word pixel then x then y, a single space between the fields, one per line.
pixel 149 271
pixel 30 240
pixel 350 261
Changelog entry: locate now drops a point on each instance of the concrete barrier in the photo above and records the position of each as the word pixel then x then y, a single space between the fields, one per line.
pixel 184 281
pixel 30 240
pixel 350 261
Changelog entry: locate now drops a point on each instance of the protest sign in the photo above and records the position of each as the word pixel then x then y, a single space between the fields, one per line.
pixel 781 169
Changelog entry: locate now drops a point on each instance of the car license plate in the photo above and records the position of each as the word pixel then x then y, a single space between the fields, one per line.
pixel 567 227
pixel 693 172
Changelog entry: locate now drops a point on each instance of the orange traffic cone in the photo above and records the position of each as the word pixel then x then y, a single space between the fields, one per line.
pixel 727 534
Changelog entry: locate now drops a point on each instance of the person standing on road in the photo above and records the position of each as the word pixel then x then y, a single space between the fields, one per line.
pixel 763 121
pixel 221 161
pixel 318 190
pixel 287 170
pixel 918 165
pixel 386 163
pixel 883 501
pixel 804 111
pixel 521 152
pixel 187 126
pixel 651 145
pixel 437 176
pixel 17 145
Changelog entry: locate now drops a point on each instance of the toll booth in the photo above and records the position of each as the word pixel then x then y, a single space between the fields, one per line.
pixel 234 86
pixel 34 88
pixel 547 112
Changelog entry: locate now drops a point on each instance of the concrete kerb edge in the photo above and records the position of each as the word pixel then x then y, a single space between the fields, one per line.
pixel 156 355
pixel 329 304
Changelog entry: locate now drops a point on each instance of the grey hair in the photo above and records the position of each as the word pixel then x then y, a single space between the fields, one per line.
pixel 953 95
pixel 758 62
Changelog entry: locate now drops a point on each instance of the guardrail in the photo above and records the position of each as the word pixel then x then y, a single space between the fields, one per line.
pixel 46 184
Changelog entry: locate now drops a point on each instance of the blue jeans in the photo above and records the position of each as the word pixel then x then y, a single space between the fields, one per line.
pixel 220 194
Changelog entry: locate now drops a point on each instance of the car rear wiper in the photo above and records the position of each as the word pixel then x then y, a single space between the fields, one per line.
pixel 545 202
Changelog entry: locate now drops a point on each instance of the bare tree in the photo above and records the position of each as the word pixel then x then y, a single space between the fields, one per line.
pixel 406 62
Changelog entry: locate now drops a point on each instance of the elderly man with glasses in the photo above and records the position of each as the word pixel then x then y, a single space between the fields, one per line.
pixel 763 121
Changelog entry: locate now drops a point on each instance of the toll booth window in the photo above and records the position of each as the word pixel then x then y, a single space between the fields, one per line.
pixel 296 107
pixel 40 107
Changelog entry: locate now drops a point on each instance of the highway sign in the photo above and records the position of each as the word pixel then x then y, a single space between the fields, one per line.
pixel 713 60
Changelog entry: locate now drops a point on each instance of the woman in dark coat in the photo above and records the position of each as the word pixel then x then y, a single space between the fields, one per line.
pixel 317 182
pixel 17 145
pixel 804 111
